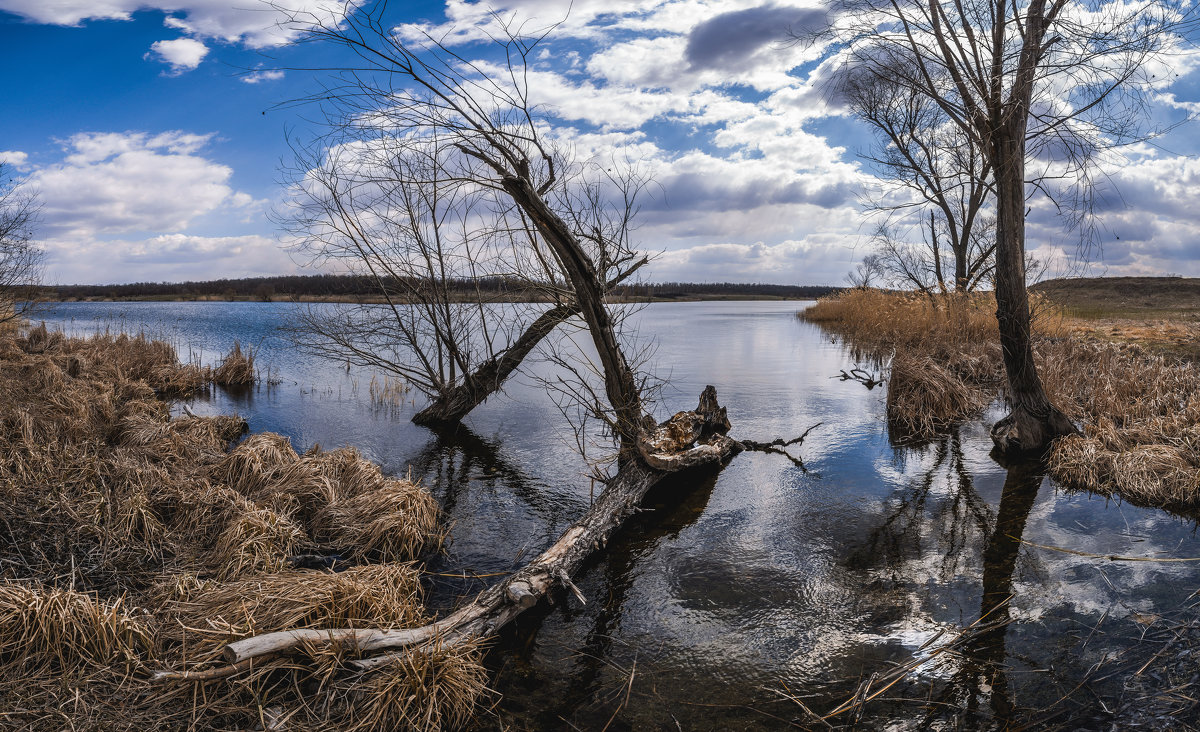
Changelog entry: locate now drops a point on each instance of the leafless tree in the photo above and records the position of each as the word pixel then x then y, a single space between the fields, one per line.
pixel 20 259
pixel 400 209
pixel 940 186
pixel 1048 82
pixel 866 272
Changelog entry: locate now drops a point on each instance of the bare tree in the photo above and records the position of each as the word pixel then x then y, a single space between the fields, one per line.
pixel 20 259
pixel 943 180
pixel 421 88
pixel 398 209
pixel 866 272
pixel 1053 81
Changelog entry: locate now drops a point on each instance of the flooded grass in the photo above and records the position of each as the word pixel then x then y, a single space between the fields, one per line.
pixel 135 543
pixel 1139 410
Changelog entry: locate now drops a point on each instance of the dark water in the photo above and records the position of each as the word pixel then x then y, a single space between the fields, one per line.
pixel 770 580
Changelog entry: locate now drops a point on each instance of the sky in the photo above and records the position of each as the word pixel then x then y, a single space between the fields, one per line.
pixel 154 133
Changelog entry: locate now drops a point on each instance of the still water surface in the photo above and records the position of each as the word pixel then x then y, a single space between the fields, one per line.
pixel 770 579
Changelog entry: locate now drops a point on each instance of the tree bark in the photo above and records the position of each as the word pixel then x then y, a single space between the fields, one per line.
pixel 500 604
pixel 450 408
pixel 619 383
pixel 1033 422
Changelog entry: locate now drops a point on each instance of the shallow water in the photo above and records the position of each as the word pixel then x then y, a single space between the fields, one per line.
pixel 769 580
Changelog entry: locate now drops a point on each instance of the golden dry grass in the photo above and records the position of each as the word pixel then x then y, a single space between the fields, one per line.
pixel 133 541
pixel 236 369
pixel 1139 408
pixel 394 521
pixel 944 353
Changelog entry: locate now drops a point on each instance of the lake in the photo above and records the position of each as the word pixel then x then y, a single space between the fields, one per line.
pixel 770 585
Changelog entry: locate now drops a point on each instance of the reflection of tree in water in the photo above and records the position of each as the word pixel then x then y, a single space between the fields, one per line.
pixel 457 455
pixel 983 673
pixel 588 693
pixel 448 465
pixel 940 513
pixel 939 510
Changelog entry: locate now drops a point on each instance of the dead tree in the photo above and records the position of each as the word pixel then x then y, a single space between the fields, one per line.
pixel 20 259
pixel 1050 80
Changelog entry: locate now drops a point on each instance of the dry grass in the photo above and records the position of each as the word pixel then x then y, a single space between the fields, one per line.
pixel 388 523
pixel 425 690
pixel 1140 408
pixel 387 392
pixel 944 353
pixel 211 614
pixel 237 368
pixel 133 542
pixel 46 630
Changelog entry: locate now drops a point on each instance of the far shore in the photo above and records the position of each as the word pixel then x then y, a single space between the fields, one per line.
pixel 368 300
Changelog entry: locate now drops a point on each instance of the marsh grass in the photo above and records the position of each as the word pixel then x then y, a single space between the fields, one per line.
pixel 1139 410
pixel 134 542
pixel 387 392
pixel 236 369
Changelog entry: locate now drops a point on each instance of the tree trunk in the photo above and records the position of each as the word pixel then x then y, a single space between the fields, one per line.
pixel 1033 422
pixel 619 383
pixel 498 605
pixel 962 282
pixel 450 407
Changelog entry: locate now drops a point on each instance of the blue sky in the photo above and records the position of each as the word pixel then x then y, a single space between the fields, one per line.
pixel 153 132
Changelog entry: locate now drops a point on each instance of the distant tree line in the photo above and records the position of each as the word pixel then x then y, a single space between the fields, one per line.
pixel 356 286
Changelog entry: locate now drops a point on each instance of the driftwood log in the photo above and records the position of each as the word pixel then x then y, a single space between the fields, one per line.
pixel 688 440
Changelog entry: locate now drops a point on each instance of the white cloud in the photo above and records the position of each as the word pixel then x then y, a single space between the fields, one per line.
pixel 126 206
pixel 257 77
pixel 166 257
pixel 183 54
pixel 820 258
pixel 14 158
pixel 118 183
pixel 253 22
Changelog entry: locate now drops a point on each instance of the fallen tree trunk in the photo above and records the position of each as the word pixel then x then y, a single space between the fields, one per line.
pixel 687 440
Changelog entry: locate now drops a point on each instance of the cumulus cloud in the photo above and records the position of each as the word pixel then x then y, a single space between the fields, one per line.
pixel 125 206
pixel 118 183
pixel 255 24
pixel 183 54
pixel 14 158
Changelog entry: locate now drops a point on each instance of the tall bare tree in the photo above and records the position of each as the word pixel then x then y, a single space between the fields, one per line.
pixel 940 186
pixel 20 259
pixel 1053 80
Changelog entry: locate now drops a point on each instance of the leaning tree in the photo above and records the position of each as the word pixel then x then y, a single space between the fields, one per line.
pixel 1026 81
pixel 468 288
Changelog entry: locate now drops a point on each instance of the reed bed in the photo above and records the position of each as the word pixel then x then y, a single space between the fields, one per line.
pixel 135 542
pixel 236 369
pixel 1139 410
